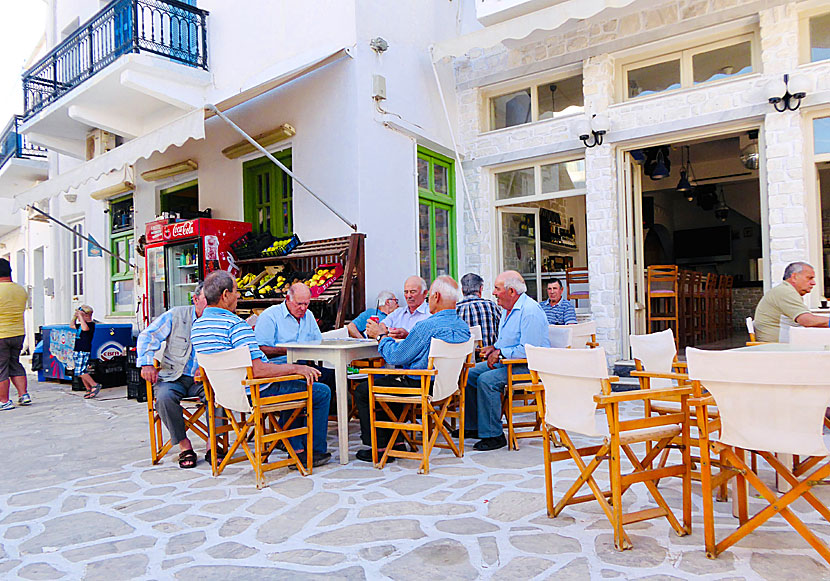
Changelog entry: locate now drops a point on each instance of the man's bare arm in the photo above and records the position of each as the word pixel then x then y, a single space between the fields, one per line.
pixel 272 351
pixel 811 320
pixel 353 332
pixel 263 369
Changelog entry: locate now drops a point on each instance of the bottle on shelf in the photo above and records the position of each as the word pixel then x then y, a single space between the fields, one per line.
pixel 523 227
pixel 531 228
pixel 572 229
pixel 180 259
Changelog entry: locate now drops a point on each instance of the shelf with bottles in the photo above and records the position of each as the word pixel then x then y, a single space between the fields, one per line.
pixel 194 265
pixel 186 284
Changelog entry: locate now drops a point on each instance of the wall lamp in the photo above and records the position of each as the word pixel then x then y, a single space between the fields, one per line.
pixel 593 127
pixel 792 90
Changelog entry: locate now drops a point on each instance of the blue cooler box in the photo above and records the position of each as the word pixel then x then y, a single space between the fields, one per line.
pixel 110 341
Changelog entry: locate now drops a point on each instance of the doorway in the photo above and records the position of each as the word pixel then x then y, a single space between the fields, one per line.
pixel 695 205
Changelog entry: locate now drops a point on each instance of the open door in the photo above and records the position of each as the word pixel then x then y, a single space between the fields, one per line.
pixel 632 252
pixel 519 245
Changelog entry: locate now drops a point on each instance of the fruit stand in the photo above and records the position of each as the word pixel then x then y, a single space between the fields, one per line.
pixel 332 268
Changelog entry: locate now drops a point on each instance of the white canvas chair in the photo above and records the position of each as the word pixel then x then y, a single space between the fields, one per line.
pixel 584 335
pixel 475 333
pixel 226 376
pixel 433 398
pixel 771 403
pixel 814 336
pixel 576 385
pixel 561 336
pixel 341 333
pixel 750 329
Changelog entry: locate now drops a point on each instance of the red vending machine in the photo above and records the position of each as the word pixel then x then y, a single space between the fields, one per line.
pixel 181 254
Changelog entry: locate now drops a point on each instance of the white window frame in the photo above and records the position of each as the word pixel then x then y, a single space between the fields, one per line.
pixel 538 195
pixel 804 45
pixel 685 54
pixel 814 220
pixel 77 247
pixel 533 83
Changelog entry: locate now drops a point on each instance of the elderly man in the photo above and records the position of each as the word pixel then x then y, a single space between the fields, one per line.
pixel 478 311
pixel 387 303
pixel 411 353
pixel 785 299
pixel 13 299
pixel 288 322
pixel 559 310
pixel 523 323
pixel 177 371
pixel 401 321
pixel 219 329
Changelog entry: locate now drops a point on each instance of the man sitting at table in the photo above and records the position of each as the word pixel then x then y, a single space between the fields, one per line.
pixel 476 310
pixel 401 321
pixel 523 323
pixel 411 353
pixel 558 309
pixel 785 299
pixel 387 303
pixel 219 329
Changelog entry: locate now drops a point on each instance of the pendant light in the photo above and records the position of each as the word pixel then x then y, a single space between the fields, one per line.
pixel 684 185
pixel 660 169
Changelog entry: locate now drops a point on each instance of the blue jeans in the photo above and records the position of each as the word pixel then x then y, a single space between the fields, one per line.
pixel 483 397
pixel 320 396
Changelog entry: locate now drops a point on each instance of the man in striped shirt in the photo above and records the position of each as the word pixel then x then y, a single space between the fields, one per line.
pixel 219 329
pixel 411 353
pixel 478 311
pixel 559 310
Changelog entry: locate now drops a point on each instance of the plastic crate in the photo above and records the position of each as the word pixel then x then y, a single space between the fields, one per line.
pixel 253 245
pixel 110 373
pixel 135 384
pixel 293 242
pixel 132 356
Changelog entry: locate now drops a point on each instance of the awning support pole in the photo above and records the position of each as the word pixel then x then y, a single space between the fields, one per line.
pixel 90 240
pixel 213 109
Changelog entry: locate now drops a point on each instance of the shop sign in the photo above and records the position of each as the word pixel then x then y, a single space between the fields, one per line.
pixel 154 231
pixel 109 350
pixel 180 230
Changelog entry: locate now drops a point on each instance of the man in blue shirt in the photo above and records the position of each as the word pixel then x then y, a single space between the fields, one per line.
pixel 387 303
pixel 558 309
pixel 219 329
pixel 288 322
pixel 401 321
pixel 523 323
pixel 412 353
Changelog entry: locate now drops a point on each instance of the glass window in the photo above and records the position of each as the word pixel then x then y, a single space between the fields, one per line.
pixel 424 241
pixel 442 241
pixel 436 215
pixel 821 135
pixel 77 261
pixel 511 109
pixel 820 38
pixel 440 173
pixel 122 296
pixel 515 184
pixel 568 175
pixel 423 173
pixel 722 62
pixel 267 195
pixel 122 245
pixel 182 199
pixel 561 98
pixel 654 78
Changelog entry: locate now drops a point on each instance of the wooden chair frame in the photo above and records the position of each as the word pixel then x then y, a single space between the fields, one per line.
pixel 530 396
pixel 623 434
pixel 264 422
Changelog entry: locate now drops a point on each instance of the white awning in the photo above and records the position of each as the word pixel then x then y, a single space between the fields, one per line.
pixel 282 73
pixel 515 29
pixel 176 133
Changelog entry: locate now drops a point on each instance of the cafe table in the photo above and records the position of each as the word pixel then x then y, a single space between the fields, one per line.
pixel 338 352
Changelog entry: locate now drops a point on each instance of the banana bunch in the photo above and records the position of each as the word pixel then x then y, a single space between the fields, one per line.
pixel 245 280
pixel 277 248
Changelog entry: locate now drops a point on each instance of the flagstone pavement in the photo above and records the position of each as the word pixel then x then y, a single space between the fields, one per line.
pixel 81 500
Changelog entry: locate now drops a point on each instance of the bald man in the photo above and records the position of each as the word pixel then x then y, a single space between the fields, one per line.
pixel 401 321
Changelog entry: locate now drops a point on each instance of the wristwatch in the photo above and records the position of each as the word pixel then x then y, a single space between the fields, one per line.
pixel 381 336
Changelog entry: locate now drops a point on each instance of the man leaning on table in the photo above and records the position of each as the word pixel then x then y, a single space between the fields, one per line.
pixel 401 321
pixel 523 323
pixel 386 305
pixel 411 353
pixel 785 299
pixel 219 329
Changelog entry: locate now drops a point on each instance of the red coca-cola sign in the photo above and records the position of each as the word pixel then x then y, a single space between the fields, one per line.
pixel 155 231
pixel 180 230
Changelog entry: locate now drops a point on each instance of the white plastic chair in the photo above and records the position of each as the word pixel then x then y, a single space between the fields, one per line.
pixel 819 336
pixel 447 367
pixel 772 403
pixel 226 376
pixel 576 384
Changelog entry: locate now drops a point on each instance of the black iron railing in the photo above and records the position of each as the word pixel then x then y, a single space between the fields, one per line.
pixel 168 28
pixel 14 144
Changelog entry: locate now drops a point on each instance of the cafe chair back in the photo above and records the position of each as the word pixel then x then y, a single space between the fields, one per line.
pixel 577 392
pixel 438 397
pixel 475 333
pixel 561 336
pixel 227 376
pixel 810 336
pixel 341 333
pixel 584 335
pixel 772 403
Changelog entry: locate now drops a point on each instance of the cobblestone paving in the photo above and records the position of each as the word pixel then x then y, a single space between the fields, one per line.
pixel 82 501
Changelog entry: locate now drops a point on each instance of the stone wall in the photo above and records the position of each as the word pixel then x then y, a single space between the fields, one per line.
pixel 744 301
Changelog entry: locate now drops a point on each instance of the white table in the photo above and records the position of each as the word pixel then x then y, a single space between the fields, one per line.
pixel 338 352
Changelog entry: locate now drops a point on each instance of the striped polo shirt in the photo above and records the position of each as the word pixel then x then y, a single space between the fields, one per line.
pixel 220 330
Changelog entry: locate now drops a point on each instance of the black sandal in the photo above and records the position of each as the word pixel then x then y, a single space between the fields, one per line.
pixel 187 459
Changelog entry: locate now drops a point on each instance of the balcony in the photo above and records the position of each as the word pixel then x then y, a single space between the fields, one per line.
pixel 22 164
pixel 133 66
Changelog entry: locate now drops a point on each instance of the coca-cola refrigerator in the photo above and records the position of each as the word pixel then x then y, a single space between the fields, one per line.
pixel 181 254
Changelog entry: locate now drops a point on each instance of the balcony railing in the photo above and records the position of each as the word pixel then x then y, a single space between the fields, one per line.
pixel 168 28
pixel 13 144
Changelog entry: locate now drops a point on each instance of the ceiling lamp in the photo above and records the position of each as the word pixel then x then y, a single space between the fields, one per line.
pixel 661 166
pixel 684 185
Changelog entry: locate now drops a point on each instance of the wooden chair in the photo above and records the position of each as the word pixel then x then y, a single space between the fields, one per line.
pixel 699 301
pixel 521 396
pixel 710 293
pixel 584 335
pixel 661 297
pixel 725 290
pixel 577 276
pixel 772 403
pixel 226 376
pixel 561 336
pixel 576 384
pixel 449 364
pixel 686 298
pixel 192 410
pixel 750 328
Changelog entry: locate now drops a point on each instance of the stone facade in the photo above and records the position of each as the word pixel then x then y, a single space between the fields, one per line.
pixel 664 117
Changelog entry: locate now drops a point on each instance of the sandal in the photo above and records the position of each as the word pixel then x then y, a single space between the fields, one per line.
pixel 187 459
pixel 93 391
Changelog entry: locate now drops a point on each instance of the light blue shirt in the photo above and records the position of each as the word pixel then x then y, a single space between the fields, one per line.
pixel 525 324
pixel 150 339
pixel 401 318
pixel 277 325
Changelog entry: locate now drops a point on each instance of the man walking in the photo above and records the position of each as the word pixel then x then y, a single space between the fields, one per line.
pixel 13 299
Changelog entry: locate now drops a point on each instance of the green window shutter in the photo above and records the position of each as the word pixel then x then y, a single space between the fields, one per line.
pixel 267 195
pixel 436 215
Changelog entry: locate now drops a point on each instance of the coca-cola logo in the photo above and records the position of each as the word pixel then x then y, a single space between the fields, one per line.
pixel 179 230
pixel 110 350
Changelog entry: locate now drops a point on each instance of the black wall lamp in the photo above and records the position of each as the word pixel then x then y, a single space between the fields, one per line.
pixel 594 127
pixel 792 90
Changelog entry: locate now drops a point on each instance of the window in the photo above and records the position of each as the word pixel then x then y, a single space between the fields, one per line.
pixel 122 245
pixel 821 135
pixel 541 179
pixel 76 261
pixel 536 102
pixel 267 195
pixel 690 67
pixel 819 32
pixel 436 215
pixel 182 199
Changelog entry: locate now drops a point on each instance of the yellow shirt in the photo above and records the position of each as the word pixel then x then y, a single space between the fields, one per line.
pixel 780 300
pixel 13 299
